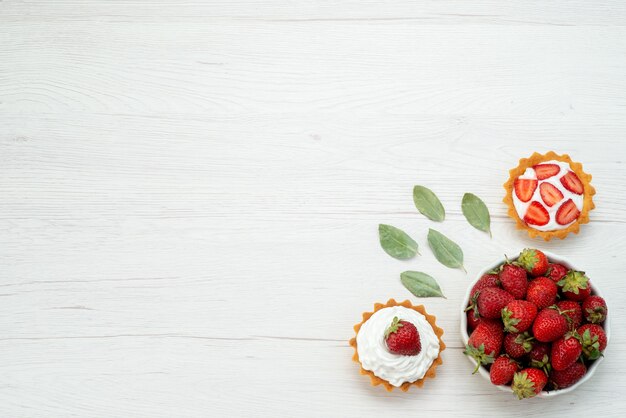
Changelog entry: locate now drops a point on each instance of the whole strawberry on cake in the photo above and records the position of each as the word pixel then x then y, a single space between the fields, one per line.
pixel 398 345
pixel 549 195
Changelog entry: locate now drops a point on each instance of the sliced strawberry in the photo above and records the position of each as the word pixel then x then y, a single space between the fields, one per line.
pixel 524 189
pixel 550 194
pixel 567 213
pixel 544 171
pixel 536 214
pixel 572 183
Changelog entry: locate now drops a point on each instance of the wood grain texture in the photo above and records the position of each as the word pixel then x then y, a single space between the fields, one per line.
pixel 190 193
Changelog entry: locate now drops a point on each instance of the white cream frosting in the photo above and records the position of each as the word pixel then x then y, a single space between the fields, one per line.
pixel 522 207
pixel 394 368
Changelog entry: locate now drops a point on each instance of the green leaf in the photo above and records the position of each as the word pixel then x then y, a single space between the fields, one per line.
pixel 476 212
pixel 428 204
pixel 421 284
pixel 396 242
pixel 446 251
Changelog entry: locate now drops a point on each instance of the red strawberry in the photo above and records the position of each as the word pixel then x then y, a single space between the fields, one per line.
pixel 556 272
pixel 550 325
pixel 502 370
pixel 539 355
pixel 524 188
pixel 403 338
pixel 528 382
pixel 593 340
pixel 573 311
pixel 565 351
pixel 518 315
pixel 514 281
pixel 491 301
pixel 550 194
pixel 472 319
pixel 543 171
pixel 485 342
pixel 517 345
pixel 534 261
pixel 595 309
pixel 562 379
pixel 572 183
pixel 486 280
pixel 567 213
pixel 542 292
pixel 536 214
pixel 575 286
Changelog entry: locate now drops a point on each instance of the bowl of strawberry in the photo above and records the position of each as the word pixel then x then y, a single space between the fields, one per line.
pixel 534 325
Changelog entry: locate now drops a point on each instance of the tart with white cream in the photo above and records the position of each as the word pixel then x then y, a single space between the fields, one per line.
pixel 549 195
pixel 398 345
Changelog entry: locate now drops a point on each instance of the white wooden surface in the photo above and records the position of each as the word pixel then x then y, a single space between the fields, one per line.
pixel 190 193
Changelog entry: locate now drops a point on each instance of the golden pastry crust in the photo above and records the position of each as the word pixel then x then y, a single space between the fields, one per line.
pixel 577 168
pixel 430 373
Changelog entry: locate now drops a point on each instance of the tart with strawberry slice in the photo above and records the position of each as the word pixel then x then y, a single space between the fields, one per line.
pixel 398 345
pixel 549 195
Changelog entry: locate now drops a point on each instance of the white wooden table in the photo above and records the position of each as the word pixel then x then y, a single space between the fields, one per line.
pixel 190 193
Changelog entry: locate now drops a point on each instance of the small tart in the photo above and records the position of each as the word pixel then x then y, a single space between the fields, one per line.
pixel 430 373
pixel 585 200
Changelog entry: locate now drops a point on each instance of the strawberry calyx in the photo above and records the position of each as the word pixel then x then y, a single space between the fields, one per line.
pixel 573 282
pixel 478 354
pixel 596 315
pixel 562 312
pixel 473 304
pixel 528 258
pixel 525 340
pixel 394 327
pixel 543 364
pixel 523 387
pixel 507 261
pixel 591 345
pixel 509 320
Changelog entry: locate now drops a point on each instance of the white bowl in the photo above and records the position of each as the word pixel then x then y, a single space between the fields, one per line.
pixel 485 373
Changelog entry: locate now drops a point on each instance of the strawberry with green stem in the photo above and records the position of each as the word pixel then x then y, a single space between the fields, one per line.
pixel 593 340
pixel 534 261
pixel 529 382
pixel 595 309
pixel 575 286
pixel 403 338
pixel 518 315
pixel 473 319
pixel 573 311
pixel 485 342
pixel 539 356
pixel 518 345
